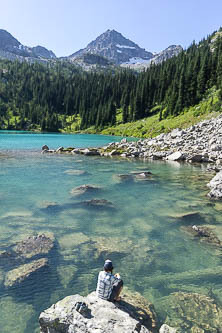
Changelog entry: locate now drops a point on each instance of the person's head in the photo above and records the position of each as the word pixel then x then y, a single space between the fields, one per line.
pixel 108 266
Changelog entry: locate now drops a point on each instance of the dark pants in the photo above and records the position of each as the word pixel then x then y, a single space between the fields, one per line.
pixel 116 288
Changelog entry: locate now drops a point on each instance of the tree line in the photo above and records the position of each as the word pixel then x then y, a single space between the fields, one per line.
pixel 44 96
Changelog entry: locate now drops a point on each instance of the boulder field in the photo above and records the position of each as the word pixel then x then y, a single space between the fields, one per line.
pixel 200 143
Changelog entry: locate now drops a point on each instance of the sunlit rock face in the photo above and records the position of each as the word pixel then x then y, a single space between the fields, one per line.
pixel 114 46
pixel 92 314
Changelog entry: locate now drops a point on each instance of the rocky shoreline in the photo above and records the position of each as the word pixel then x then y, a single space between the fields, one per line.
pixel 200 143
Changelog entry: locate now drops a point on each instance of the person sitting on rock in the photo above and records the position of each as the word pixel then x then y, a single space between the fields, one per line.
pixel 109 286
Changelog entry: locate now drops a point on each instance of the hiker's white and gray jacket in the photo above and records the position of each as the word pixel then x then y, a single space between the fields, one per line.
pixel 105 284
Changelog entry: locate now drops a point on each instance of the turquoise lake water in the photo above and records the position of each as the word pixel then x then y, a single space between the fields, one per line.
pixel 142 231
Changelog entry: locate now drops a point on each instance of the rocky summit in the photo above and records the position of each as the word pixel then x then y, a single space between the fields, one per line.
pixel 114 46
pixel 171 51
pixel 12 49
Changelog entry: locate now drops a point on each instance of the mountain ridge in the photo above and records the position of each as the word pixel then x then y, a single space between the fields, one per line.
pixel 12 49
pixel 111 45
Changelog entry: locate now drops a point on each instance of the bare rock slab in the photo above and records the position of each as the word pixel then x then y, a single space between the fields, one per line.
pixel 101 316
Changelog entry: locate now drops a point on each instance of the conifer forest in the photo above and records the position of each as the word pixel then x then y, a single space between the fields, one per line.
pixel 43 97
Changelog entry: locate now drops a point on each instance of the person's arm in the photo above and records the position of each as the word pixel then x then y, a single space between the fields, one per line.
pixel 115 278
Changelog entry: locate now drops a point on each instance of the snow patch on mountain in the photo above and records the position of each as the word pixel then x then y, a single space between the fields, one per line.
pixel 125 47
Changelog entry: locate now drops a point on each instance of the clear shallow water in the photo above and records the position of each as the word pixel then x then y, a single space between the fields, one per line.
pixel 18 140
pixel 141 233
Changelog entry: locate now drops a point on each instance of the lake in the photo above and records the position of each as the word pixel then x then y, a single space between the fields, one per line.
pixel 140 227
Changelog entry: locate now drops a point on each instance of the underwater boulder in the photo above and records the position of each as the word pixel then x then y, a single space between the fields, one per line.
pixel 21 273
pixel 86 188
pixel 34 245
pixel 191 312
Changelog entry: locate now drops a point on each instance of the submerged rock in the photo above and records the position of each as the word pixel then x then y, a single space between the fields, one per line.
pixel 99 203
pixel 17 214
pixel 48 204
pixel 75 172
pixel 98 316
pixel 1 276
pixel 22 272
pixel 186 216
pixel 192 312
pixel 204 234
pixel 66 274
pixel 123 177
pixel 143 175
pixel 109 246
pixel 34 245
pixel 70 241
pixel 14 316
pixel 83 189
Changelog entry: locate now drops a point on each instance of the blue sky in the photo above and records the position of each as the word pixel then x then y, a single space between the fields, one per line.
pixel 65 26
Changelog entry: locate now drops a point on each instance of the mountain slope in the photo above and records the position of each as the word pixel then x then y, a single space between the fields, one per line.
pixel 114 46
pixel 12 49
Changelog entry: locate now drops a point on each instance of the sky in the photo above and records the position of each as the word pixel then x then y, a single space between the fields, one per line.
pixel 65 26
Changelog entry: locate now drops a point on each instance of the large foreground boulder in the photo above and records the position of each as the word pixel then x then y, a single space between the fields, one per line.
pixel 99 316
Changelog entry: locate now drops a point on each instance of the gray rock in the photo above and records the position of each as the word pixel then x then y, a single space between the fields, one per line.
pixel 124 140
pixel 216 147
pixel 60 149
pixel 99 203
pixel 196 158
pixel 90 152
pixel 159 155
pixel 100 316
pixel 177 156
pixel 216 186
pixel 45 147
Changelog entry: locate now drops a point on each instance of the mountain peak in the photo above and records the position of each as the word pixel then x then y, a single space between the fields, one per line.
pixel 12 49
pixel 114 46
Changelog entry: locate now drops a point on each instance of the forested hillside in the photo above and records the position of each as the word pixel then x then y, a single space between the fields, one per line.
pixel 47 98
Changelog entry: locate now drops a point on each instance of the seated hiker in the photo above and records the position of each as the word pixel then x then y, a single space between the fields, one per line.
pixel 109 286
